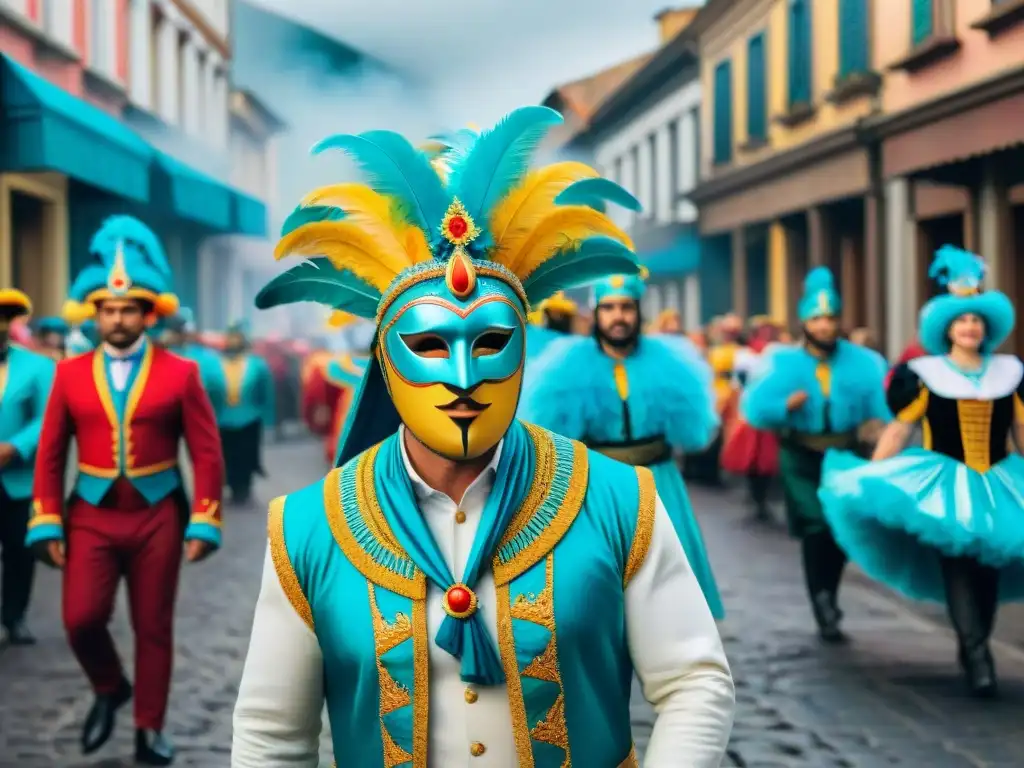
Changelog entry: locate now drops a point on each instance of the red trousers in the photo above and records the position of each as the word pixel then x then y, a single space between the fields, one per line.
pixel 128 538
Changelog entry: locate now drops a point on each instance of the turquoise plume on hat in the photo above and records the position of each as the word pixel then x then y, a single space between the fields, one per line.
pixel 820 298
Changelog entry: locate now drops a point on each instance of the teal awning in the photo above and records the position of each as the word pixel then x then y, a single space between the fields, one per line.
pixel 250 215
pixel 45 128
pixel 191 194
pixel 676 255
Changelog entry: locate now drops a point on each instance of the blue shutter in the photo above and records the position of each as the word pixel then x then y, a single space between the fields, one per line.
pixel 757 96
pixel 853 37
pixel 723 113
pixel 923 21
pixel 800 63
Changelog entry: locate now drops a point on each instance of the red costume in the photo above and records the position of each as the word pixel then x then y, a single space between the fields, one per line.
pixel 322 401
pixel 914 349
pixel 137 526
pixel 749 451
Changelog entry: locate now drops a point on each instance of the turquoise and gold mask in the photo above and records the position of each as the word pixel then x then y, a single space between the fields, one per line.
pixel 452 354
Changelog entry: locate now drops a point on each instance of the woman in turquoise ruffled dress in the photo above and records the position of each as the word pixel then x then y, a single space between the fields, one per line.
pixel 640 399
pixel 945 522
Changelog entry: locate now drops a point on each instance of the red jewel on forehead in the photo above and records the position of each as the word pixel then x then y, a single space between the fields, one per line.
pixel 460 277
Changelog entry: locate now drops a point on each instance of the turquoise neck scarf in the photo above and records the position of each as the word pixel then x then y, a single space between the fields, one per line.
pixel 466 639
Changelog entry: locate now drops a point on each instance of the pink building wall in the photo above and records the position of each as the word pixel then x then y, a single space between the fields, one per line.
pixel 70 75
pixel 978 59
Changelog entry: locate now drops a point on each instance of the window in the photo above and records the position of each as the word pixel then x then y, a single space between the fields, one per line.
pixel 800 64
pixel 673 166
pixel 922 21
pixel 652 179
pixel 723 113
pixel 183 53
pixel 633 184
pixel 155 24
pixel 99 44
pixel 695 156
pixel 757 90
pixel 853 37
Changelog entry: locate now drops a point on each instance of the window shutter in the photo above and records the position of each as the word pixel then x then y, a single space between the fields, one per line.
pixel 723 112
pixel 853 37
pixel 757 101
pixel 800 63
pixel 923 21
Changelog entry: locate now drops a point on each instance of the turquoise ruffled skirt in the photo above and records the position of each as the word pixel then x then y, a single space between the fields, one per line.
pixel 672 491
pixel 896 517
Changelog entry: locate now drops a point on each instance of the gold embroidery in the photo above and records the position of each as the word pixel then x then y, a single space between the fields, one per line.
pixel 536 608
pixel 975 430
pixel 644 524
pixel 393 695
pixel 824 376
pixel 630 761
pixel 366 496
pixel 134 396
pixel 917 409
pixel 564 517
pixel 552 730
pixel 545 666
pixel 421 684
pixel 282 563
pixel 234 375
pixel 507 648
pixel 414 588
pixel 41 519
pixel 99 378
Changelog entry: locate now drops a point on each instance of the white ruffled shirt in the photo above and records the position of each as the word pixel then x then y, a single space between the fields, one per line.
pixel 673 641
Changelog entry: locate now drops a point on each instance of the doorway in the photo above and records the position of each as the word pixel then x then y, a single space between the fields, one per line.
pixel 932 235
pixel 27 241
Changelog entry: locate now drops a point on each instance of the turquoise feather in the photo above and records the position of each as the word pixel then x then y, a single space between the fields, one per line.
pixel 395 168
pixel 594 192
pixel 317 280
pixel 819 279
pixel 594 259
pixel 308 214
pixel 955 265
pixel 456 143
pixel 500 158
pixel 128 229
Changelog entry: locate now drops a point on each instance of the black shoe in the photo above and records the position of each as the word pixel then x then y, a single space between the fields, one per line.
pixel 828 616
pixel 17 633
pixel 980 671
pixel 152 748
pixel 99 723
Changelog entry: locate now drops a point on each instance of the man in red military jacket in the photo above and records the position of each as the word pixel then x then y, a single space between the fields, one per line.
pixel 128 404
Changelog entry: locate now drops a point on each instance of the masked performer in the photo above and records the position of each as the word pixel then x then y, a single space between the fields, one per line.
pixel 25 379
pixel 249 410
pixel 747 451
pixel 370 596
pixel 636 398
pixel 945 521
pixel 556 317
pixel 816 396
pixel 128 405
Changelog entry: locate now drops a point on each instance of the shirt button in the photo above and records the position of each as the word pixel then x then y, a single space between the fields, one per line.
pixel 476 749
pixel 471 696
pixel 460 516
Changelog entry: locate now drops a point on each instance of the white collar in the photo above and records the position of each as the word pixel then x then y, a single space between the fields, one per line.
pixel 483 481
pixel 118 354
pixel 1002 376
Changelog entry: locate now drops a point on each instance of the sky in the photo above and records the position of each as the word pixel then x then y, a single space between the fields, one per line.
pixel 481 58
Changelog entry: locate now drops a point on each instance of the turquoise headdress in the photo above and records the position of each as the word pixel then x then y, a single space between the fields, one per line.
pixel 128 263
pixel 621 287
pixel 487 225
pixel 51 325
pixel 820 297
pixel 961 273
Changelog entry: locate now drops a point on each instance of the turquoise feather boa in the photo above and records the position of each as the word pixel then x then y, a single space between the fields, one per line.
pixel 570 389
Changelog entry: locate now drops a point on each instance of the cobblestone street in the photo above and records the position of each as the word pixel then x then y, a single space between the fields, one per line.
pixel 892 697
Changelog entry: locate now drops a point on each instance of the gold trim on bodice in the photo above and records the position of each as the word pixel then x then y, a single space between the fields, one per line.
pixel 976 432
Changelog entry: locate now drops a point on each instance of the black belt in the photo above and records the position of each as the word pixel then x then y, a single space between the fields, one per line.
pixel 638 453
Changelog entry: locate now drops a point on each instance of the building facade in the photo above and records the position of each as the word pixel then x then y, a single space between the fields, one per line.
pixel 113 106
pixel 645 136
pixel 951 144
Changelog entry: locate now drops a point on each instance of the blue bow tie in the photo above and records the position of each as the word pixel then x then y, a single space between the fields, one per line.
pixel 133 358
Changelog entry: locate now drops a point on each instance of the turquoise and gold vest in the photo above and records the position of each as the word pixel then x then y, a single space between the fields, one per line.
pixel 580 534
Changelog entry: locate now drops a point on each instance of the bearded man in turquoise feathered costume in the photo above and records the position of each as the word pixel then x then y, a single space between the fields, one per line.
pixel 465 583
pixel 640 399
pixel 816 396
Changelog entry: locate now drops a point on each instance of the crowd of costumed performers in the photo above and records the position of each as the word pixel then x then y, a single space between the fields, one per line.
pixel 552 320
pixel 944 521
pixel 641 399
pixel 747 451
pixel 824 393
pixel 379 560
pixel 127 406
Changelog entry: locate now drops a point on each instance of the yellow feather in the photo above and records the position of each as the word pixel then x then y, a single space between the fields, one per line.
pixel 348 246
pixel 561 228
pixel 416 244
pixel 369 209
pixel 515 216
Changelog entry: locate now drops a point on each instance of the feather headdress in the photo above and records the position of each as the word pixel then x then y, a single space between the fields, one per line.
pixel 487 213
